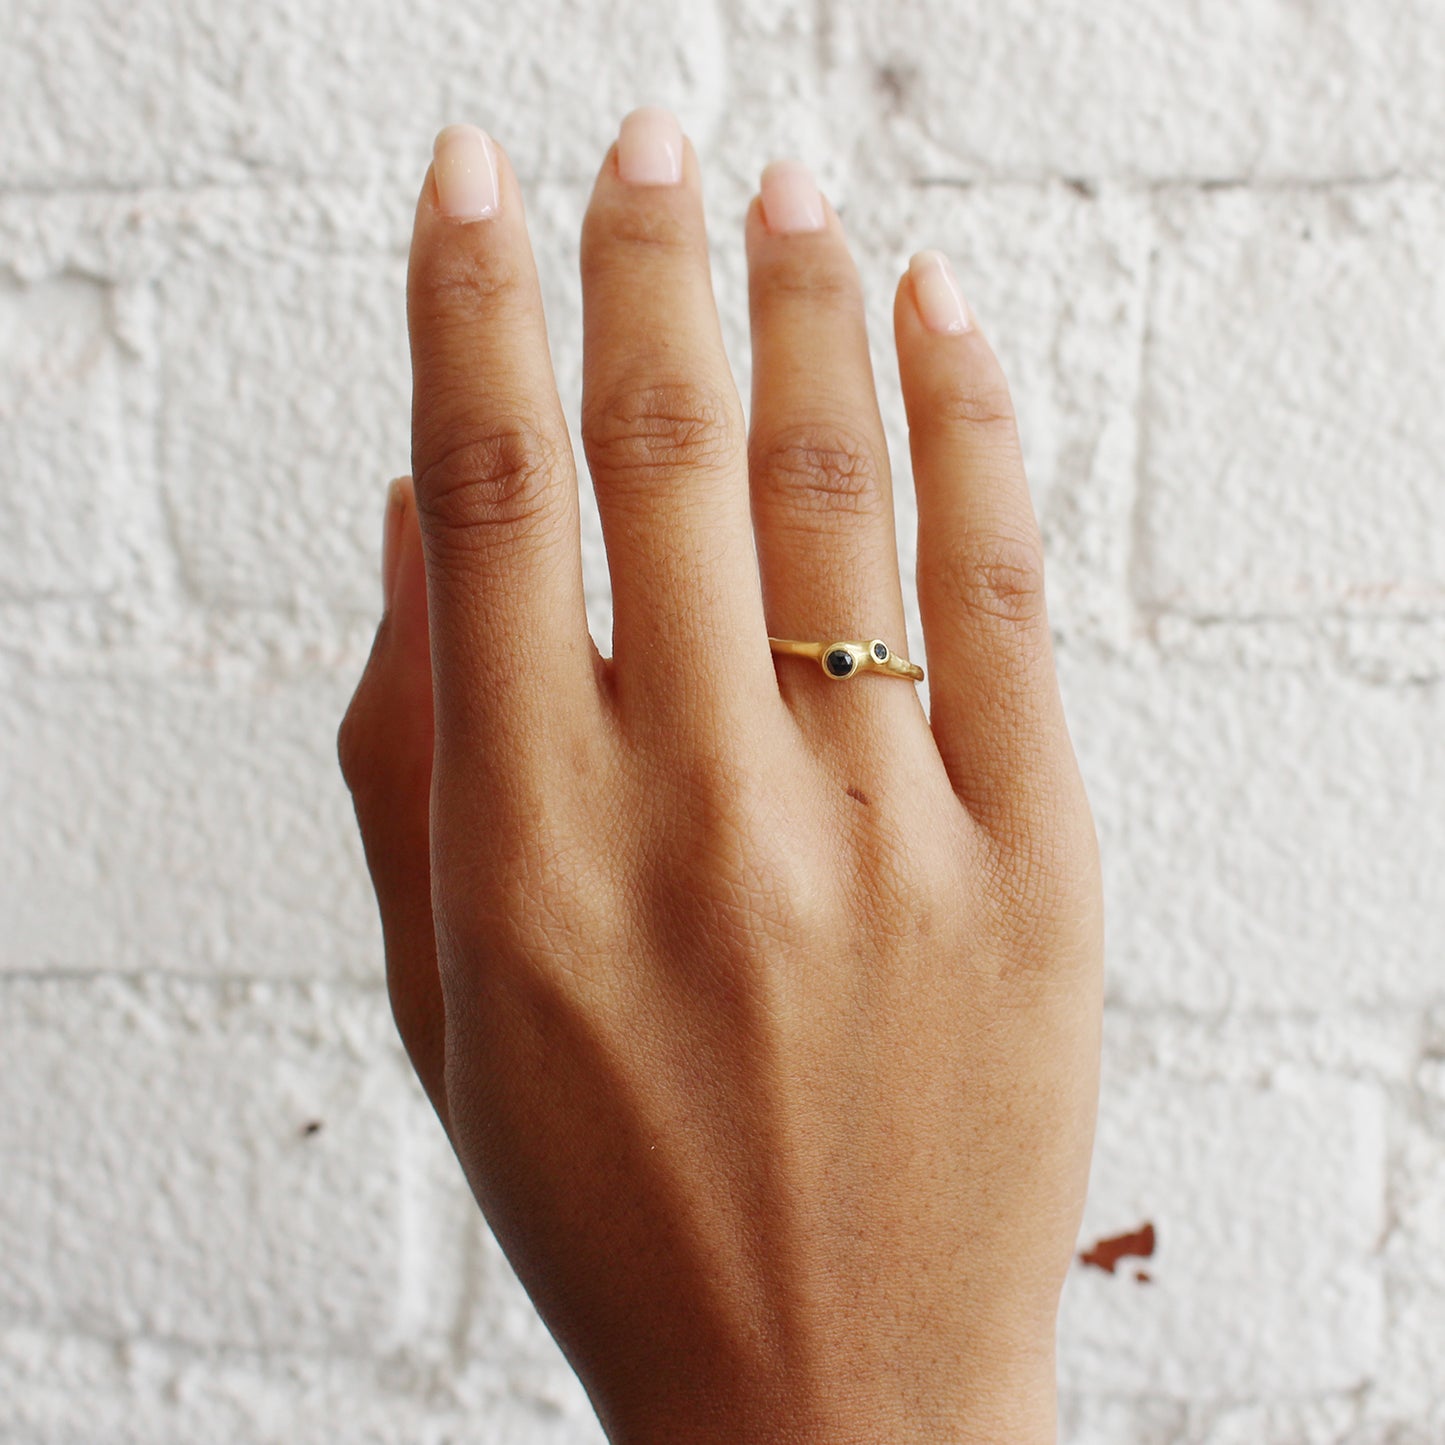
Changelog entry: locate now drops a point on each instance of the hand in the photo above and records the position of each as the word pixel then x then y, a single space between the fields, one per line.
pixel 762 1010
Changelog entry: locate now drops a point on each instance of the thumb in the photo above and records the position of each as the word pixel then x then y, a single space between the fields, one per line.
pixel 385 749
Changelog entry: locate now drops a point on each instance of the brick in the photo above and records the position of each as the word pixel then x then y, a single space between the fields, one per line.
pixel 70 1391
pixel 1265 1048
pixel 277 487
pixel 1403 651
pixel 1324 1421
pixel 213 93
pixel 1261 1199
pixel 1091 1420
pixel 1057 279
pixel 75 510
pixel 1407 1386
pixel 177 824
pixel 1269 90
pixel 777 105
pixel 1291 450
pixel 143 235
pixel 1253 827
pixel 291 410
pixel 160 1176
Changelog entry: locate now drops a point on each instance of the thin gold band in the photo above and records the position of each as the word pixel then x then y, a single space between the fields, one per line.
pixel 842 660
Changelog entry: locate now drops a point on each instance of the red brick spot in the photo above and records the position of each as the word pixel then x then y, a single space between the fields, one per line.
pixel 1108 1252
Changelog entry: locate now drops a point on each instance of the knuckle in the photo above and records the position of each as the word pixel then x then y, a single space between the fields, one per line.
pixel 997 579
pixel 641 430
pixel 977 403
pixel 463 279
pixel 657 229
pixel 501 480
pixel 820 469
pixel 822 282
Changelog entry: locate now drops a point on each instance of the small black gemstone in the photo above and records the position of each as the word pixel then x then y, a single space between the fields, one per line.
pixel 880 652
pixel 839 662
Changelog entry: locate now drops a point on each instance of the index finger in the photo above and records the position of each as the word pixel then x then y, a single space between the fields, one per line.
pixel 496 485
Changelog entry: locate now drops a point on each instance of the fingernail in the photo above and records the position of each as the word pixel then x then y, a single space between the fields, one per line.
pixel 465 166
pixel 935 289
pixel 649 147
pixel 391 537
pixel 791 199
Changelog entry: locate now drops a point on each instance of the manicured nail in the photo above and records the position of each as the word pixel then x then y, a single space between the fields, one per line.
pixel 649 147
pixel 465 166
pixel 391 537
pixel 791 199
pixel 940 302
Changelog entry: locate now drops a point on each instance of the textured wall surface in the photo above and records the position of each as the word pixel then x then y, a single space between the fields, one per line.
pixel 1209 242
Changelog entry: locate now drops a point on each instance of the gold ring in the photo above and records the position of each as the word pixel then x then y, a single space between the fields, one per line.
pixel 846 659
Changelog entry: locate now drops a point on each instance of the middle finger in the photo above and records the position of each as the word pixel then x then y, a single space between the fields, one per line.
pixel 663 431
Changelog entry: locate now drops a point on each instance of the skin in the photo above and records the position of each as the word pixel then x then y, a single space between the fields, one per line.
pixel 761 1010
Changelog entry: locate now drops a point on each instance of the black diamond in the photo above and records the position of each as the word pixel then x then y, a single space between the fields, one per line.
pixel 880 652
pixel 839 662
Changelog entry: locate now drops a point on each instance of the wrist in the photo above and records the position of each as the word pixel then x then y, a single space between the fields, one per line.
pixel 999 1406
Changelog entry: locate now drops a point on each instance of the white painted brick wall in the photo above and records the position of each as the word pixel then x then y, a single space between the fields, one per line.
pixel 1268 499
pixel 1208 241
pixel 171 1161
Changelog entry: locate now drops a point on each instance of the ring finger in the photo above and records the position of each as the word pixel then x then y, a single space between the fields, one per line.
pixel 817 456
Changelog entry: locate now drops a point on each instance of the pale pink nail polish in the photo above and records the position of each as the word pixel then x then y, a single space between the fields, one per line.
pixel 649 147
pixel 464 164
pixel 792 201
pixel 935 289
